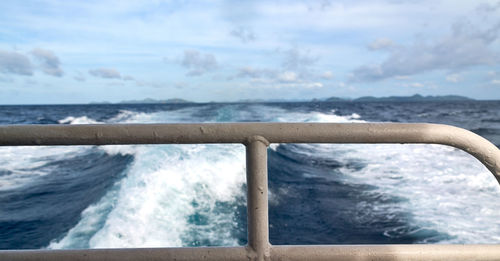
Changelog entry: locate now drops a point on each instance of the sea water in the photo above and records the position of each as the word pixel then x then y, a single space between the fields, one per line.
pixel 194 195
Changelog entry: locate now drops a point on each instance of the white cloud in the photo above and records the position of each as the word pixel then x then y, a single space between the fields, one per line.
pixel 180 85
pixel 79 78
pixel 198 63
pixel 244 34
pixel 267 78
pixel 251 72
pixel 314 85
pixel 495 81
pixel 465 46
pixel 282 78
pixel 288 76
pixel 454 78
pixel 402 77
pixel 296 59
pixel 128 78
pixel 15 63
pixel 485 8
pixel 381 44
pixel 337 35
pixel 49 62
pixel 105 73
pixel 327 75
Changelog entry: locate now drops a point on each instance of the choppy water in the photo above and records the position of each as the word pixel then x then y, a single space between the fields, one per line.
pixel 193 195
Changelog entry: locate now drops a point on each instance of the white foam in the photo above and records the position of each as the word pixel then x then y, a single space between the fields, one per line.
pixel 24 163
pixel 78 120
pixel 165 186
pixel 274 114
pixel 446 189
pixel 174 116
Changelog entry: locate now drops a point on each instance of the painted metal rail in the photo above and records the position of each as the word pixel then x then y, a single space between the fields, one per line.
pixel 256 137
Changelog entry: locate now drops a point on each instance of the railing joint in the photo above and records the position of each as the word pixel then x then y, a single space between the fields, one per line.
pixel 256 138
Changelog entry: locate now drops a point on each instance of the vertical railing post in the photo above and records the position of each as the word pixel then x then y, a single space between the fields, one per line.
pixel 257 199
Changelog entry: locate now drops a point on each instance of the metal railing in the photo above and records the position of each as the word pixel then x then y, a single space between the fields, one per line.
pixel 256 137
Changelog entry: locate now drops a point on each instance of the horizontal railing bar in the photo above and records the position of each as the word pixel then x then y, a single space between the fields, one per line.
pixel 132 254
pixel 387 252
pixel 102 134
pixel 296 252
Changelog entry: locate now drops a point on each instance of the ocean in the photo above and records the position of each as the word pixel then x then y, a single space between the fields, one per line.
pixel 72 197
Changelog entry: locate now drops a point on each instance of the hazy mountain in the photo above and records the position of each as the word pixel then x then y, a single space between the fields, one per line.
pixel 414 98
pixel 149 100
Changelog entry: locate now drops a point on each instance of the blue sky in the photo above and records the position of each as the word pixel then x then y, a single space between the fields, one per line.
pixel 82 51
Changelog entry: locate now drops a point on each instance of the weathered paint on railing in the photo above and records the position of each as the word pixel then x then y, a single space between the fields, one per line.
pixel 256 137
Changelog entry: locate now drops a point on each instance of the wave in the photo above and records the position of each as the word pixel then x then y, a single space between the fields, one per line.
pixel 17 172
pixel 168 192
pixel 171 195
pixel 444 189
pixel 191 195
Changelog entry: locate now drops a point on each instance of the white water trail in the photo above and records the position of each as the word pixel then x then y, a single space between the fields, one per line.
pixel 167 187
pixel 170 196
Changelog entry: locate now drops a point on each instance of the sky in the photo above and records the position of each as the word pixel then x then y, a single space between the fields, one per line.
pixel 59 52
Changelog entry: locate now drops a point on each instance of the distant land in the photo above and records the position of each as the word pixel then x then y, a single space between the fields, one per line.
pixel 270 100
pixel 146 101
pixel 413 98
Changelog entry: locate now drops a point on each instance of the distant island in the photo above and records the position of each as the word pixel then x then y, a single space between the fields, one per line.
pixel 147 101
pixel 413 98
pixel 270 100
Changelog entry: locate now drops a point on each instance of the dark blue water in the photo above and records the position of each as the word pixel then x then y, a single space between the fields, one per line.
pixel 80 197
